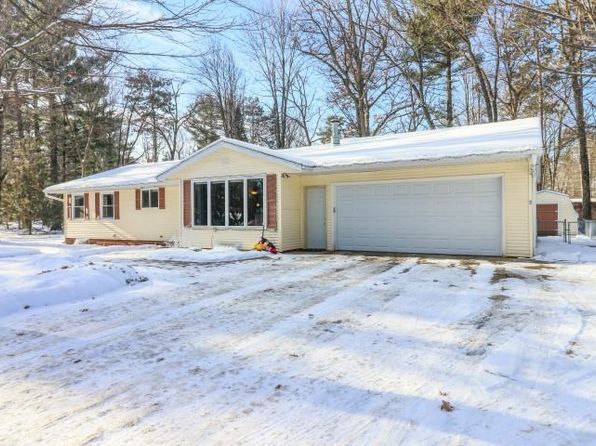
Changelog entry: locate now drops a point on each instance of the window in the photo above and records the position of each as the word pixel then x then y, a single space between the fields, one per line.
pixel 230 203
pixel 236 203
pixel 254 202
pixel 78 206
pixel 150 198
pixel 218 203
pixel 107 206
pixel 200 204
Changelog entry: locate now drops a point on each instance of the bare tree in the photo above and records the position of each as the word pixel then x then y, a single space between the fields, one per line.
pixel 271 44
pixel 349 39
pixel 223 79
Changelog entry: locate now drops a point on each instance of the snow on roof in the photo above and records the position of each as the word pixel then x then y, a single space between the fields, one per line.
pixel 131 175
pixel 510 137
pixel 520 137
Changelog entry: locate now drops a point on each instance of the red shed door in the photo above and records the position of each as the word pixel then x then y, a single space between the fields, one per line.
pixel 547 215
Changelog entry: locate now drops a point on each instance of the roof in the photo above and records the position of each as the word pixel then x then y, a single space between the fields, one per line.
pixel 550 191
pixel 509 139
pixel 125 176
pixel 521 137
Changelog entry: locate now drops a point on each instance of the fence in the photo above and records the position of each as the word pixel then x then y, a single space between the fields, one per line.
pixel 563 228
pixel 587 227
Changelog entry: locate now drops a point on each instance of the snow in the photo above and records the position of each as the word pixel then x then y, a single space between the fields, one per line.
pixel 515 138
pixel 296 348
pixel 131 175
pixel 552 249
pixel 520 137
pixel 509 137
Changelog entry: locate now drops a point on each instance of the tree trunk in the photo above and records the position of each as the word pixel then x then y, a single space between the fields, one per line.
pixel 449 89
pixel 53 139
pixel 578 96
pixel 2 173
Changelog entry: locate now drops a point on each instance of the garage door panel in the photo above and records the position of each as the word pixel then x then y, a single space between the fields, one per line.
pixel 441 216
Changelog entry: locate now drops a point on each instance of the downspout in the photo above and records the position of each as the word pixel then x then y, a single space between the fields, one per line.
pixel 534 178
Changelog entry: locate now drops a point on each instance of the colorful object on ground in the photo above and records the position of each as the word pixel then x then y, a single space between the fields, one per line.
pixel 265 245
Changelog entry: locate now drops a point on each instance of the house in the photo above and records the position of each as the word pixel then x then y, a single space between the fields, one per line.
pixel 466 190
pixel 552 210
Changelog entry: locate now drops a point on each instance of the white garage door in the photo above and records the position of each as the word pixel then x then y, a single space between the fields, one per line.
pixel 458 216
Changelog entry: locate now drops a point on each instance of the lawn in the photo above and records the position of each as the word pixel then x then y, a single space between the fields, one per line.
pixel 155 346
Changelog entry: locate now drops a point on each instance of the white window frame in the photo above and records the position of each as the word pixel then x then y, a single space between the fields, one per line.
pixel 149 189
pixel 113 205
pixel 226 180
pixel 74 206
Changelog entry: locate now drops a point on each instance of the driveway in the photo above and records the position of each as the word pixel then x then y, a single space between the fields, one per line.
pixel 304 349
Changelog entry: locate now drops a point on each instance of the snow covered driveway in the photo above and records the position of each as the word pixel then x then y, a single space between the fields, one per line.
pixel 293 349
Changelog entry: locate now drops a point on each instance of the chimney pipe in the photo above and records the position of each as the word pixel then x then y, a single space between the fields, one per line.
pixel 335 131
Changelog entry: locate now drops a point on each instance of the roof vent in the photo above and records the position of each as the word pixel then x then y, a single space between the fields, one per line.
pixel 335 131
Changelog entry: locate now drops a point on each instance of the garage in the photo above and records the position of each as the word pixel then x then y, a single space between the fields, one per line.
pixel 448 216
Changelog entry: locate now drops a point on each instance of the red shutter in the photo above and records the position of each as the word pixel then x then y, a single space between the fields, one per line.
pixel 116 205
pixel 86 204
pixel 97 198
pixel 69 206
pixel 162 197
pixel 137 199
pixel 186 202
pixel 272 201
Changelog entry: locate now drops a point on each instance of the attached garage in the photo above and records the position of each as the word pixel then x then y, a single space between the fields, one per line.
pixel 449 216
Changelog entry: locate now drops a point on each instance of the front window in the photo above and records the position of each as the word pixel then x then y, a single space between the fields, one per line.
pixel 78 206
pixel 254 197
pixel 236 203
pixel 107 205
pixel 150 198
pixel 218 203
pixel 200 204
pixel 232 203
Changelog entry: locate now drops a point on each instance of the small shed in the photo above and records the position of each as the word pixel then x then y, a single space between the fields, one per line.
pixel 552 208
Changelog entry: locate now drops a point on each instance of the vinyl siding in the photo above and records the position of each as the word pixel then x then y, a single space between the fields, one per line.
pixel 518 227
pixel 229 163
pixel 155 224
pixel 151 224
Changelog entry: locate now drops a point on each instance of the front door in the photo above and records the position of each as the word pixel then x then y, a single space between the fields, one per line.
pixel 315 218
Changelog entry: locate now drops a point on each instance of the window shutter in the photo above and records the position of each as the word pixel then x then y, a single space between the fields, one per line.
pixel 116 205
pixel 272 201
pixel 86 204
pixel 69 206
pixel 97 212
pixel 137 199
pixel 186 202
pixel 162 197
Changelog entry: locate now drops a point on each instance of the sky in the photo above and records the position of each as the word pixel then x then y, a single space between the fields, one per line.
pixel 181 68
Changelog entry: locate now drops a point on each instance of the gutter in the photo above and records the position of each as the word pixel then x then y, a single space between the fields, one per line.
pixel 366 166
pixel 51 197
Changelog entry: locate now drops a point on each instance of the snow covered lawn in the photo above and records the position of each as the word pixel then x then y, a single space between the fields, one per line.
pixel 151 346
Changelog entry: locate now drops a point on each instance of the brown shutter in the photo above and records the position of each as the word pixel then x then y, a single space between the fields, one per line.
pixel 137 199
pixel 86 204
pixel 97 198
pixel 117 205
pixel 162 197
pixel 272 201
pixel 186 202
pixel 69 206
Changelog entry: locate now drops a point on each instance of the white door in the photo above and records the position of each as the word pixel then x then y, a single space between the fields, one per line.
pixel 455 216
pixel 315 218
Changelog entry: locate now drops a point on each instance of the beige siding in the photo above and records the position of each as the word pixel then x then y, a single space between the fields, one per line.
pixel 146 224
pixel 292 203
pixel 229 163
pixel 155 224
pixel 518 240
